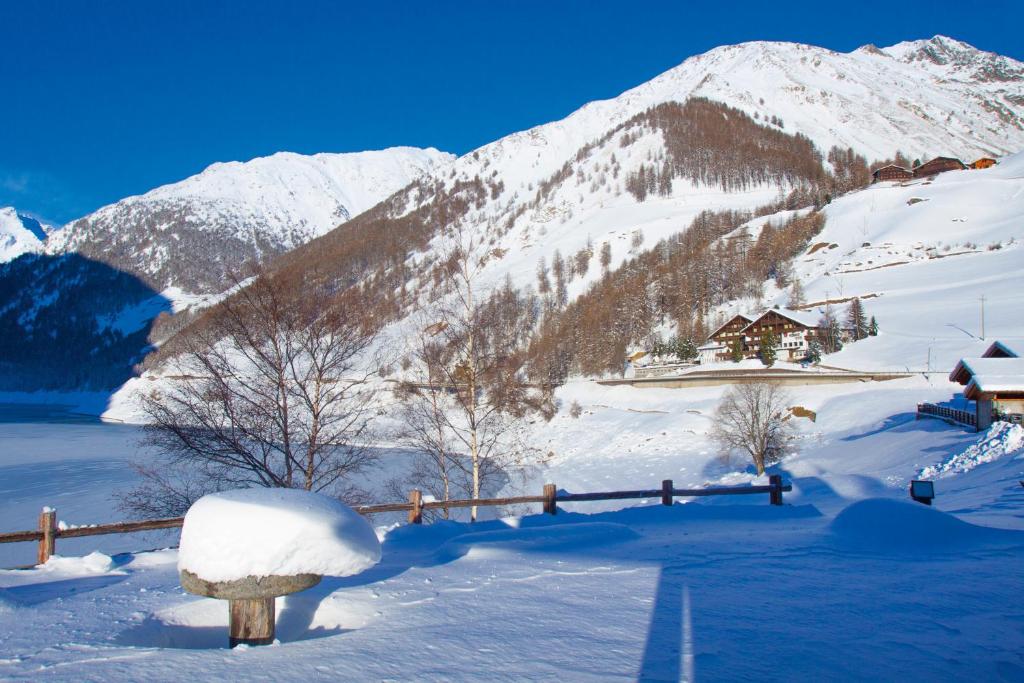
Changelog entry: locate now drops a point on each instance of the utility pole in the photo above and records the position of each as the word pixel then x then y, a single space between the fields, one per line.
pixel 982 317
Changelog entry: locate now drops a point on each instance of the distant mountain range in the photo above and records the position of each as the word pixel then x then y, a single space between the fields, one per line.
pixel 624 172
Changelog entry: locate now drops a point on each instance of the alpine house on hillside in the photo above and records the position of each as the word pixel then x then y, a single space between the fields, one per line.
pixel 995 382
pixel 794 331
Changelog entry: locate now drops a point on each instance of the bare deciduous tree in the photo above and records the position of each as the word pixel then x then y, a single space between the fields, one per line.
pixel 268 391
pixel 752 418
pixel 468 413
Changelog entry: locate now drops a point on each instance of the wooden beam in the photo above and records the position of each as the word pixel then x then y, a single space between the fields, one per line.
pixel 48 529
pixel 251 622
pixel 416 511
pixel 550 504
pixel 666 492
pixel 122 527
pixel 775 495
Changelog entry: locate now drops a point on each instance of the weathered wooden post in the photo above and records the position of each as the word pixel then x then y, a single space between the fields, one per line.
pixel 251 609
pixel 666 492
pixel 416 513
pixel 48 527
pixel 550 503
pixel 775 494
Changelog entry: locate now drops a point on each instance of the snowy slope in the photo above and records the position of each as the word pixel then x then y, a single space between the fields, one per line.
pixel 926 97
pixel 922 255
pixel 19 234
pixel 189 233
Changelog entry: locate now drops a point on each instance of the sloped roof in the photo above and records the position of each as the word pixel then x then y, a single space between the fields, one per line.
pixel 744 316
pixel 969 368
pixel 990 383
pixel 882 168
pixel 805 318
pixel 999 350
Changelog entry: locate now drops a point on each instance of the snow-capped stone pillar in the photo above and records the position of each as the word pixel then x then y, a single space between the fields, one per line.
pixel 250 546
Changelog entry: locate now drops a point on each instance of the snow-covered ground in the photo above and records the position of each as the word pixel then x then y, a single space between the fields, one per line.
pixel 849 580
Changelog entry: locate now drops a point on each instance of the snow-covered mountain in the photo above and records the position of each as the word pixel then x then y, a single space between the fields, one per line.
pixel 19 234
pixel 189 234
pixel 565 185
pixel 740 128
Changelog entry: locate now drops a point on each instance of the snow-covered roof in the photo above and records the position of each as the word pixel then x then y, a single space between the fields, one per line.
pixel 274 532
pixel 993 383
pixel 710 346
pixel 744 316
pixel 804 318
pixel 999 350
pixel 968 368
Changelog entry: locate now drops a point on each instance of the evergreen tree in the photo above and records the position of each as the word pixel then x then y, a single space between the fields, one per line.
pixel 685 349
pixel 832 340
pixel 813 352
pixel 736 352
pixel 856 321
pixel 873 327
pixel 769 344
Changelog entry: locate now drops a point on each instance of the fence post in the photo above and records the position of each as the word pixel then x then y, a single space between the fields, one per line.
pixel 48 527
pixel 666 492
pixel 416 514
pixel 775 495
pixel 550 505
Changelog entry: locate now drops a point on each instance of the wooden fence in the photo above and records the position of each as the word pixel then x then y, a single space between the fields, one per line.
pixel 48 531
pixel 945 413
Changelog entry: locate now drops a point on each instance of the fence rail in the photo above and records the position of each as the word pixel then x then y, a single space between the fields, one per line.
pixel 943 412
pixel 48 531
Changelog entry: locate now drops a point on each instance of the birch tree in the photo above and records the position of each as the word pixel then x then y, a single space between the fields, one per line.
pixel 266 392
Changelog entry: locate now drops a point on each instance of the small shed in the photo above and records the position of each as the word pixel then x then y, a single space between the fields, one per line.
pixel 938 165
pixel 712 352
pixel 983 162
pixel 891 172
pixel 995 382
pixel 1003 393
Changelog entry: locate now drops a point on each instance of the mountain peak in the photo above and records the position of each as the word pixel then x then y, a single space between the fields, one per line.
pixel 19 234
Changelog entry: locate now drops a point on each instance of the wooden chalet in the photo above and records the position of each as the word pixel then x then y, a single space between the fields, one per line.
pixel 936 166
pixel 794 329
pixel 891 172
pixel 995 382
pixel 983 162
pixel 726 335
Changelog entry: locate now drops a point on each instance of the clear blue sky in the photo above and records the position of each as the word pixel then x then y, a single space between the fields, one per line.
pixel 102 99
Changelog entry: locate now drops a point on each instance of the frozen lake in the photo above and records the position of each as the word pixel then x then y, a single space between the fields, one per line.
pixel 51 455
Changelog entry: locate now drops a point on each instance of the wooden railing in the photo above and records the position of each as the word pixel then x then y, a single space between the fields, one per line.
pixel 943 412
pixel 48 531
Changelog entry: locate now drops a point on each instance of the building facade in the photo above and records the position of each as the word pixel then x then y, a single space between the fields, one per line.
pixel 936 166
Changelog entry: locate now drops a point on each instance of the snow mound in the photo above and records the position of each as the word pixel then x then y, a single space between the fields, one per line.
pixel 274 532
pixel 893 527
pixel 1000 440
pixel 93 563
